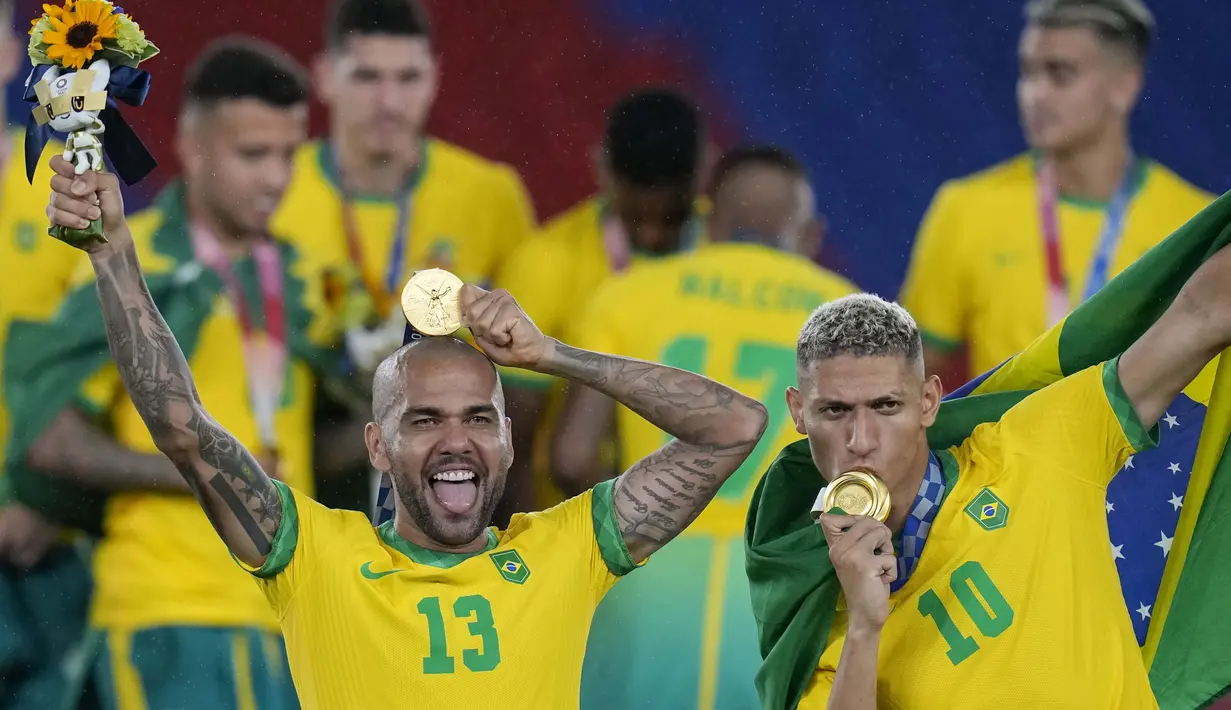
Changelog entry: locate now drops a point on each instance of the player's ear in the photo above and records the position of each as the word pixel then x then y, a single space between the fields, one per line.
pixel 795 404
pixel 376 448
pixel 322 76
pixel 705 169
pixel 602 169
pixel 932 393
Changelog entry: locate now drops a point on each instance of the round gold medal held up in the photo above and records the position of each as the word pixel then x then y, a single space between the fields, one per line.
pixel 430 302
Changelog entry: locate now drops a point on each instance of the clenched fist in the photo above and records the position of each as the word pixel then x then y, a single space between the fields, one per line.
pixel 77 199
pixel 861 549
pixel 502 328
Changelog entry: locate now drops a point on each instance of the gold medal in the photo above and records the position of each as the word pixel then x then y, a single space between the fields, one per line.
pixel 430 302
pixel 856 493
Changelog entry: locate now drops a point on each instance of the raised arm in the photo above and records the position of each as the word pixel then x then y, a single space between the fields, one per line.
pixel 237 496
pixel 714 427
pixel 1191 333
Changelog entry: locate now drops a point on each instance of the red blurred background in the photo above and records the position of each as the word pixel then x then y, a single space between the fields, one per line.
pixel 525 82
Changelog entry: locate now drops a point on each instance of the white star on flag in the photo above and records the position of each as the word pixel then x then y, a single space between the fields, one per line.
pixel 1128 463
pixel 1176 502
pixel 1164 542
pixel 1115 552
pixel 1172 422
pixel 1111 507
pixel 1174 467
pixel 1144 611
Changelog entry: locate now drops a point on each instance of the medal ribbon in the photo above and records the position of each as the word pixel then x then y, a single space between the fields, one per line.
pixel 386 502
pixel 919 522
pixel 382 294
pixel 265 354
pixel 1113 226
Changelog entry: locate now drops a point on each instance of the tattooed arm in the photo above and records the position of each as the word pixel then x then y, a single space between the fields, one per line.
pixel 714 427
pixel 237 496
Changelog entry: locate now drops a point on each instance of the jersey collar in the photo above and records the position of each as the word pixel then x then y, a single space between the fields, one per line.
pixel 919 522
pixel 431 558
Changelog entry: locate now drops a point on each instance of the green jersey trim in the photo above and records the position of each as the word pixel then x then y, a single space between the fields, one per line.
pixel 611 543
pixel 1122 406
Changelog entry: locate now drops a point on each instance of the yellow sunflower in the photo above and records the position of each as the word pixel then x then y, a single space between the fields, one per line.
pixel 50 11
pixel 78 32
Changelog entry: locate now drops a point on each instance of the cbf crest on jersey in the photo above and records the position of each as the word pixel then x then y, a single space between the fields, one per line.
pixel 988 510
pixel 511 566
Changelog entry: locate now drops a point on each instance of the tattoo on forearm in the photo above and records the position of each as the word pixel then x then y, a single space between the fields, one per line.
pixel 714 429
pixel 160 386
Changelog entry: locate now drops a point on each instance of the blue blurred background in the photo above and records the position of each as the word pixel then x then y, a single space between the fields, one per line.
pixel 883 101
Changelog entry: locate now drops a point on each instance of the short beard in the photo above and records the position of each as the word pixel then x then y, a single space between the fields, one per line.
pixel 414 500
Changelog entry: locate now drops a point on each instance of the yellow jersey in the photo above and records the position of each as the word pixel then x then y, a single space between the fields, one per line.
pixel 552 276
pixel 731 312
pixel 37 269
pixel 1016 596
pixel 368 616
pixel 978 272
pixel 161 562
pixel 463 214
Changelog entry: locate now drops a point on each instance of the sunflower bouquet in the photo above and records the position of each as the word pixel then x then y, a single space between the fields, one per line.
pixel 86 55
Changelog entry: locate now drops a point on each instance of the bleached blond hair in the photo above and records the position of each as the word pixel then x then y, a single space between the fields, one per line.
pixel 863 325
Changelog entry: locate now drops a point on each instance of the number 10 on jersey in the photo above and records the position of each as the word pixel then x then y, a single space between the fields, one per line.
pixel 991 614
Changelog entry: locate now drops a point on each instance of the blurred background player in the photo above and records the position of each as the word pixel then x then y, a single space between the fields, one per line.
pixel 730 311
pixel 181 626
pixel 378 198
pixel 1004 253
pixel 44 580
pixel 650 168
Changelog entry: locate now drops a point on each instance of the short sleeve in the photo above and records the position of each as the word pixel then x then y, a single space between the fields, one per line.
pixel 537 276
pixel 299 546
pixel 934 291
pixel 589 519
pixel 1083 426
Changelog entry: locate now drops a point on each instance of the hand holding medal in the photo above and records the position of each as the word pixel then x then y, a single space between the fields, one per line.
pixel 85 57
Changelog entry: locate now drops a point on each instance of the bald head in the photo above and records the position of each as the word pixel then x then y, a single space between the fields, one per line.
pixel 426 356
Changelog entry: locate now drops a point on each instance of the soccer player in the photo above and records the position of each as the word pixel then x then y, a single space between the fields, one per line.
pixel 728 311
pixel 1006 588
pixel 1003 254
pixel 182 627
pixel 433 608
pixel 379 198
pixel 44 582
pixel 650 170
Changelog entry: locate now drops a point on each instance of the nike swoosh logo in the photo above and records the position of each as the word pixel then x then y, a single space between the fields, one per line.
pixel 366 571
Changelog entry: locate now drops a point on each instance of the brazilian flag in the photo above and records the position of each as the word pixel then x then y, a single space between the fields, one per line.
pixel 1176 600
